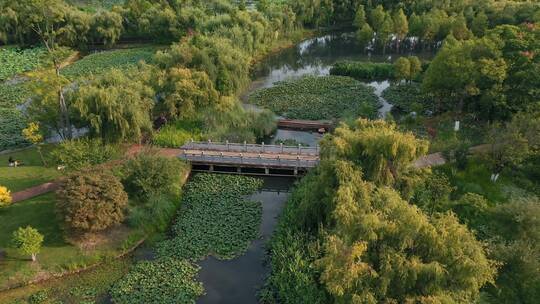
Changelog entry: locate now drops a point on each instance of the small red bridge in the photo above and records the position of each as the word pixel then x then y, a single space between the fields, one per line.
pixel 311 125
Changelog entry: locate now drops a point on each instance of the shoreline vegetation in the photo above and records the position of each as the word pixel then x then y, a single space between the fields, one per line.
pixel 366 225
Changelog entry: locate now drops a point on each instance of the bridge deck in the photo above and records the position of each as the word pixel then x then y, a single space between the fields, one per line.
pixel 250 155
pixel 251 148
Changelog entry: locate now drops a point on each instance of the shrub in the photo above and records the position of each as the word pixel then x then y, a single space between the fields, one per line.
pixel 155 214
pixel 161 281
pixel 363 70
pixel 5 197
pixel 262 123
pixel 91 201
pixel 148 174
pixel 83 153
pixel 28 241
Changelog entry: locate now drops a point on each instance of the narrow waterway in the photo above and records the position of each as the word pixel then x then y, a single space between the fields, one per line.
pixel 239 280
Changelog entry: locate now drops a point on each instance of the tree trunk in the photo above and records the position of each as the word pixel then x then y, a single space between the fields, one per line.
pixel 34 257
pixel 38 147
pixel 65 115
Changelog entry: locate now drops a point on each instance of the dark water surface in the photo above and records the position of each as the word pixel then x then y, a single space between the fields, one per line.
pixel 238 281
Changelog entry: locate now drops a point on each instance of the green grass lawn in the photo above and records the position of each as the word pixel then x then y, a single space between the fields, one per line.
pixel 31 173
pixel 57 254
pixel 39 213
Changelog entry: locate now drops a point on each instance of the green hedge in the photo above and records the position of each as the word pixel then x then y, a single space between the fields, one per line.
pixel 363 70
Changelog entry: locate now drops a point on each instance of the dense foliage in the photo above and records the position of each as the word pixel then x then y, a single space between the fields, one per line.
pixel 316 98
pixel 90 201
pixel 365 242
pixel 490 76
pixel 28 241
pixel 12 95
pixel 115 107
pixel 161 281
pixel 214 218
pixel 149 174
pixel 83 153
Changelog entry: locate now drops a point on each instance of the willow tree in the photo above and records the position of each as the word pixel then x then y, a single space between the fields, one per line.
pixel 381 249
pixel 115 106
pixel 383 152
pixel 184 91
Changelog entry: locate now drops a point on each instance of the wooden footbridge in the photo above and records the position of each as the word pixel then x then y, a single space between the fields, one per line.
pixel 309 125
pixel 252 159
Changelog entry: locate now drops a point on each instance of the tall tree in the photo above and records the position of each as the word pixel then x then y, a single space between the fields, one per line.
pixel 364 36
pixel 115 106
pixel 416 67
pixel 184 91
pixel 384 153
pixel 402 69
pixel 384 34
pixel 450 76
pixel 401 26
pixel 511 144
pixel 376 18
pixel 360 17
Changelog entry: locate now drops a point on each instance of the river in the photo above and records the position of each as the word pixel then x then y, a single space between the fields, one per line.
pixel 238 280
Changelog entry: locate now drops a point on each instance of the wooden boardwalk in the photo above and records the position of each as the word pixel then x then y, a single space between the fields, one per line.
pixel 277 160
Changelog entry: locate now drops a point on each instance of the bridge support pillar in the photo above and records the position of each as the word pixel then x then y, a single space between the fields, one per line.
pixel 267 171
pixel 295 171
pixel 211 168
pixel 239 170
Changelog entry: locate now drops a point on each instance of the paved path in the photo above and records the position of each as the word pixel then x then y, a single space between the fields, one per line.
pixel 434 159
pixel 34 191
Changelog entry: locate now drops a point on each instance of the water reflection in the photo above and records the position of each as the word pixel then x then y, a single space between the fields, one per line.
pixel 316 56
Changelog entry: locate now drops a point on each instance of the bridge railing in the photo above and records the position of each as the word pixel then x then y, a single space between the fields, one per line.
pixel 251 148
pixel 241 159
